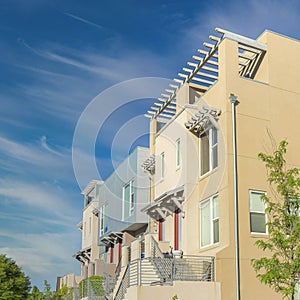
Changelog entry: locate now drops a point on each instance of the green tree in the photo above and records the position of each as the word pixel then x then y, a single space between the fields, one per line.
pixel 63 291
pixel 281 270
pixel 35 294
pixel 48 294
pixel 14 284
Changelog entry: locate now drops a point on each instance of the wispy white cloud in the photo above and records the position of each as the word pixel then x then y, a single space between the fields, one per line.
pixel 43 256
pixel 47 198
pixel 46 146
pixel 84 20
pixel 38 157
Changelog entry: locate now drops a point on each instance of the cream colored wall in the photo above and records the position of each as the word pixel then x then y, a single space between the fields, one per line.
pixel 267 106
pixel 90 235
pixel 183 290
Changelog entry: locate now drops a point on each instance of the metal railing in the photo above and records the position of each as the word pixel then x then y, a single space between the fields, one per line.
pixel 155 250
pixel 111 281
pixel 120 294
pixel 162 271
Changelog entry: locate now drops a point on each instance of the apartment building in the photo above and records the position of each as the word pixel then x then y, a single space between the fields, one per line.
pixel 88 255
pixel 111 219
pixel 122 196
pixel 237 90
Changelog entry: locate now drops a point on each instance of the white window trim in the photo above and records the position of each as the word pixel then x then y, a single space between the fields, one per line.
pixel 178 153
pixel 101 220
pixel 162 165
pixel 209 130
pixel 131 193
pixel 212 219
pixel 132 202
pixel 257 212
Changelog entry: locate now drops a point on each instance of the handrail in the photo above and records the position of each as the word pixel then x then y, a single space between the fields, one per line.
pixel 155 249
pixel 124 285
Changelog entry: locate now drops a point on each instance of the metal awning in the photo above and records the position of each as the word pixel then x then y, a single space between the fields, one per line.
pixel 80 225
pixel 149 164
pixel 205 117
pixel 166 204
pixel 202 72
pixel 83 255
pixel 110 238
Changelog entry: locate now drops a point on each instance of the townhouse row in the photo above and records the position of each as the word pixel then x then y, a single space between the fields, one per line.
pixel 170 219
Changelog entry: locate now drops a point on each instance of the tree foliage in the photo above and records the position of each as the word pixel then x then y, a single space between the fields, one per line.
pixel 35 294
pixel 14 284
pixel 281 270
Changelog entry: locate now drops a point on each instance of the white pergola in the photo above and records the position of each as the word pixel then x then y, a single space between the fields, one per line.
pixel 111 238
pixel 166 204
pixel 205 117
pixel 203 70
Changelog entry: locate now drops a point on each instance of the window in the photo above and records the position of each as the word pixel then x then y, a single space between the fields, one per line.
pixel 128 200
pixel 102 221
pixel 89 199
pixel 162 157
pixel 208 150
pixel 209 221
pixel 257 213
pixel 178 157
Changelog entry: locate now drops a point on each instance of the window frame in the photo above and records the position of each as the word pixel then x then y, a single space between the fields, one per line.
pixel 131 200
pixel 162 165
pixel 212 219
pixel 178 153
pixel 210 132
pixel 101 220
pixel 257 212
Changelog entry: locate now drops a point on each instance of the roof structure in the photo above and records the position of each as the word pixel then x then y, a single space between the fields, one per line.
pixel 91 186
pixel 111 237
pixel 203 70
pixel 165 204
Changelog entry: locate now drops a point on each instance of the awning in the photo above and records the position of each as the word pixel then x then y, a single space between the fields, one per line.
pixel 202 71
pixel 110 238
pixel 205 117
pixel 149 164
pixel 166 204
pixel 83 255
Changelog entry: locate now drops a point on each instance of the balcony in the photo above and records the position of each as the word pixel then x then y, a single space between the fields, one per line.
pixel 161 269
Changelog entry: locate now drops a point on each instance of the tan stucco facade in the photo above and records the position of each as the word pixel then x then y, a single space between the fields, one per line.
pixel 268 109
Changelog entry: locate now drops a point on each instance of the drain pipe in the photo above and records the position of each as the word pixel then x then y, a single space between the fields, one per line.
pixel 234 103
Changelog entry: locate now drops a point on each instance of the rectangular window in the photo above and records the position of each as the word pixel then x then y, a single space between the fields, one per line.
pixel 209 221
pixel 208 150
pixel 162 157
pixel 178 156
pixel 128 200
pixel 257 213
pixel 102 221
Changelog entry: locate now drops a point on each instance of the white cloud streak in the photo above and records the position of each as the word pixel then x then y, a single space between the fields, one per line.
pixel 83 20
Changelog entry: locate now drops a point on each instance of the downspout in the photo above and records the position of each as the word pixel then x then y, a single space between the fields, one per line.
pixel 234 103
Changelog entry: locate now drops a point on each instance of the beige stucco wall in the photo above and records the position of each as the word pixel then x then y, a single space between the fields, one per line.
pixel 183 290
pixel 268 105
pixel 90 233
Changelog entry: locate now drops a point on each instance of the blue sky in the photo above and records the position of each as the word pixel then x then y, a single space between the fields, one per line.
pixel 56 56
